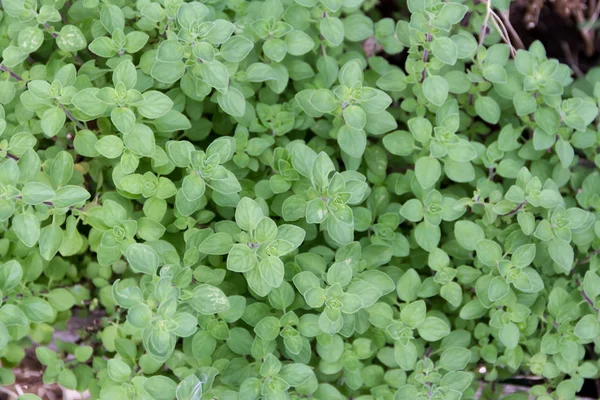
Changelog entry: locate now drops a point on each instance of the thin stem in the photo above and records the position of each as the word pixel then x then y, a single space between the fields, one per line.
pixel 49 29
pixel 79 124
pixel 499 25
pixel 17 77
pixel 571 59
pixel 484 25
pixel 516 209
pixel 8 392
pixel 589 257
pixel 593 18
pixel 513 33
pixel 586 297
pixel 425 58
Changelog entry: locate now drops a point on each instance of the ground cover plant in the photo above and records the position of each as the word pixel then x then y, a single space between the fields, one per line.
pixel 248 200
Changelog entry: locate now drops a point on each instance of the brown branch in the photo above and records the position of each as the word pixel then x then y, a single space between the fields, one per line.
pixel 570 58
pixel 511 30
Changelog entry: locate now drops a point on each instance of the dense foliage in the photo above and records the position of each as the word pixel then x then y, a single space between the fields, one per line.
pixel 254 203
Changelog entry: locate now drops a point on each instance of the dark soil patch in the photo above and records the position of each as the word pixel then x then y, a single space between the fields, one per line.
pixel 558 25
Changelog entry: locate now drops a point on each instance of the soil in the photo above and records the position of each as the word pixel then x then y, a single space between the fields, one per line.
pixel 557 25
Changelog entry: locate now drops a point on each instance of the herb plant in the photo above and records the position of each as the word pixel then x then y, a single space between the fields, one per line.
pixel 255 202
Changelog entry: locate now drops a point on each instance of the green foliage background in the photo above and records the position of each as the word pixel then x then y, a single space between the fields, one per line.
pixel 261 206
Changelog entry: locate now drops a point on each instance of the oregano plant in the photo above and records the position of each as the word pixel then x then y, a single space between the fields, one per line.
pixel 247 200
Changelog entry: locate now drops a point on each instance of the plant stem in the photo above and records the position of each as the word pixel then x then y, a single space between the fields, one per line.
pixel 79 124
pixel 586 297
pixel 513 33
pixel 425 57
pixel 17 77
pixel 588 258
pixel 516 209
pixel 484 25
pixel 49 29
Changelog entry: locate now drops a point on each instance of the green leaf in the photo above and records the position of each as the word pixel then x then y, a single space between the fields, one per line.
pixel 110 146
pixel 168 72
pixel 524 255
pixel 392 81
pixel 53 121
pixel 142 258
pixel 216 244
pixel 11 273
pixel 193 187
pixel 51 238
pixel 414 314
pixel 427 171
pixel 433 329
pixel 27 228
pixel 215 75
pixel 271 270
pixel 232 102
pixel 275 49
pixel 34 193
pixel 400 143
pixel 37 310
pixel 498 289
pixel 489 252
pixel 445 49
pixel 562 254
pixel 123 119
pixel 497 74
pixel 298 43
pixel 125 74
pixel 435 89
pixel 468 234
pixel 427 235
pixel 455 358
pixel 509 335
pixel 332 30
pixel 587 328
pixel 61 170
pixel 524 103
pixel 323 100
pixel 160 387
pixel 405 355
pixel 241 258
pixel 412 210
pixel 103 47
pixel 154 105
pixel 268 328
pixel 248 214
pixel 208 300
pixel 296 374
pixel 488 109
pixel 70 195
pixel 236 48
pixel 352 141
pixel 189 389
pixel 118 371
pixel 70 38
pixel 112 18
